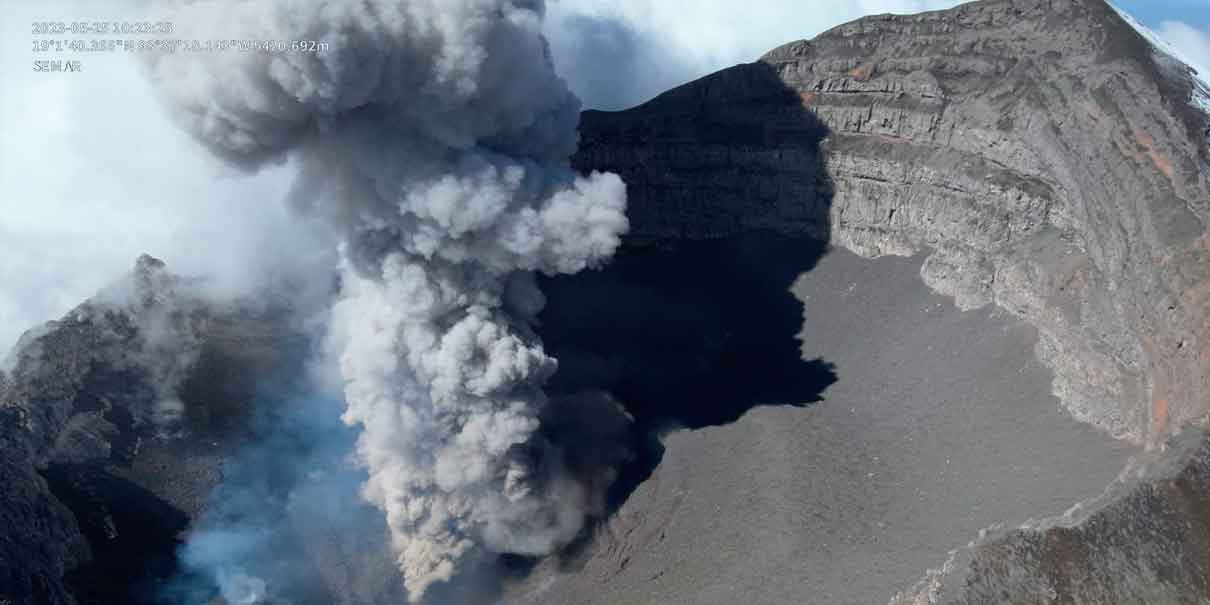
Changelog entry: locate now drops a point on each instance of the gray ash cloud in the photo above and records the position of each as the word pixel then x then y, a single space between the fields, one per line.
pixel 434 137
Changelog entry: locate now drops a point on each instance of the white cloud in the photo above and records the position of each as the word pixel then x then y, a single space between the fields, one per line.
pixel 619 52
pixel 92 174
pixel 1192 43
pixel 1184 43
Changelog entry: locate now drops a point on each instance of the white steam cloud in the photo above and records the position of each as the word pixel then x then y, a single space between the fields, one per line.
pixel 435 136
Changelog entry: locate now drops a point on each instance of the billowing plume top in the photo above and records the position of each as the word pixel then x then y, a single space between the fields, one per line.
pixel 447 69
pixel 450 108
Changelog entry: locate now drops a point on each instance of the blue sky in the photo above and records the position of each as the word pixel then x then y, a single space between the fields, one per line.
pixel 1153 13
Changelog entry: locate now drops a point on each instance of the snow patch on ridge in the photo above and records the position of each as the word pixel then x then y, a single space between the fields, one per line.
pixel 1201 75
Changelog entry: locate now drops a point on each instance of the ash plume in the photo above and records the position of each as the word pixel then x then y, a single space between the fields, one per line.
pixel 434 136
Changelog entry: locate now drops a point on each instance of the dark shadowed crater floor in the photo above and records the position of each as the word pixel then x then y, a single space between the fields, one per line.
pixel 906 427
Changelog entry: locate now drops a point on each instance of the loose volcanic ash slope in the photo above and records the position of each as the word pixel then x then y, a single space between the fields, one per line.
pixel 935 423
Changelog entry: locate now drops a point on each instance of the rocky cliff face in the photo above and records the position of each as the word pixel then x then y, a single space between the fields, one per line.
pixel 114 422
pixel 1050 163
pixel 1044 162
pixel 1044 155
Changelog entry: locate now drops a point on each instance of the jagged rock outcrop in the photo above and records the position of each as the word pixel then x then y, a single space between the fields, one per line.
pixel 155 412
pixel 105 454
pixel 1049 159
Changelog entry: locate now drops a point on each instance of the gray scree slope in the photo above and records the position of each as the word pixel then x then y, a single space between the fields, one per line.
pixel 100 485
pixel 940 424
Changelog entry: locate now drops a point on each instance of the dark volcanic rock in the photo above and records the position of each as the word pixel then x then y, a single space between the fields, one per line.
pixel 112 425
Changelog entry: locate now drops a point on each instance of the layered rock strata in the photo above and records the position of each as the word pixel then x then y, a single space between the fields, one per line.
pixel 1050 160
